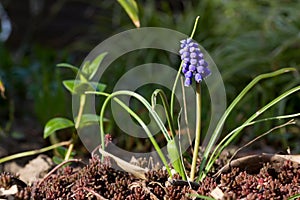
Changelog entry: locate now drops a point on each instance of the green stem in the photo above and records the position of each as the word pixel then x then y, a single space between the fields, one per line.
pixel 80 112
pixel 34 152
pixel 77 123
pixel 195 27
pixel 163 97
pixel 179 71
pixel 197 132
pixel 70 149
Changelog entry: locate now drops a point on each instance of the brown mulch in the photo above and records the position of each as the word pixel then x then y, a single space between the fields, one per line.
pixel 99 181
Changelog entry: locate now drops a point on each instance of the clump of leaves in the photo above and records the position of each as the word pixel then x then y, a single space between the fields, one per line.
pixel 76 87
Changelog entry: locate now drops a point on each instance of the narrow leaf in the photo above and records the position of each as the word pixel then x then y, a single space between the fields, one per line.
pixel 56 124
pixel 66 65
pixel 221 122
pixel 131 8
pixel 294 197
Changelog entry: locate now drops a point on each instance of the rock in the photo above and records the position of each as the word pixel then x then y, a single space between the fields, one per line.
pixel 32 171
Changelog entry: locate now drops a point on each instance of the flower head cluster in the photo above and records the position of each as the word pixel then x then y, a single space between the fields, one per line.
pixel 194 65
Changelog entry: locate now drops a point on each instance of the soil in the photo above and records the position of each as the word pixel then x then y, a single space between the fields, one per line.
pixel 256 176
pixel 262 176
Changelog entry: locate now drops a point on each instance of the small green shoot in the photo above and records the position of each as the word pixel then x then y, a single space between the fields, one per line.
pixel 77 87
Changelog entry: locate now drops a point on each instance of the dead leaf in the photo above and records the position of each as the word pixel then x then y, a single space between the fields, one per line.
pixel 253 163
pixel 144 187
pixel 137 171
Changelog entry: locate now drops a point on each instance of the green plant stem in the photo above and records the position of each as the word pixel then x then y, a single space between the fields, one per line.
pixel 166 106
pixel 79 116
pixel 80 112
pixel 195 27
pixel 69 152
pixel 179 72
pixel 34 152
pixel 197 132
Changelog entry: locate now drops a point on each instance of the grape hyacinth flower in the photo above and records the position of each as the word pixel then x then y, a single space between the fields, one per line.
pixel 194 65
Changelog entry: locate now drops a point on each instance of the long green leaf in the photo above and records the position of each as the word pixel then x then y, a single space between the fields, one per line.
pixel 56 124
pixel 294 197
pixel 221 122
pixel 74 69
pixel 131 8
pixel 172 147
pixel 229 138
pixel 135 116
pixel 166 106
pixel 66 65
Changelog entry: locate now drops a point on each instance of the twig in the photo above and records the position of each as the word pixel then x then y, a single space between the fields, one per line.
pixel 94 193
pixel 59 166
pixel 33 152
pixel 292 121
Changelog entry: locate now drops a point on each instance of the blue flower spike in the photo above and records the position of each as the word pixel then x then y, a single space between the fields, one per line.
pixel 194 65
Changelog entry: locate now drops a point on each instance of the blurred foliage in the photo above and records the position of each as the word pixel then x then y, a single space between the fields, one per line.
pixel 245 38
pixel 33 83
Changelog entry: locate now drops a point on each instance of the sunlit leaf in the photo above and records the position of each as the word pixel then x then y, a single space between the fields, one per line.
pixel 56 124
pixel 131 8
pixel 79 87
pixel 66 65
pixel 69 85
pixel 90 69
pixel 294 197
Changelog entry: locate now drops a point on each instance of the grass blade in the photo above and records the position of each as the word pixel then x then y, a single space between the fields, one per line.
pixel 227 140
pixel 221 122
pixel 136 117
